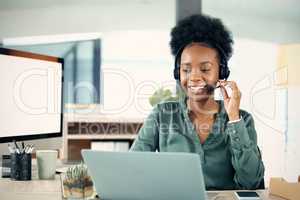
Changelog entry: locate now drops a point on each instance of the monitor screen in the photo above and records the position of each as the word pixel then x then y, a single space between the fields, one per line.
pixel 31 95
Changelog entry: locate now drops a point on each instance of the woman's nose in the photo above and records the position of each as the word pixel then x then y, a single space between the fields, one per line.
pixel 195 76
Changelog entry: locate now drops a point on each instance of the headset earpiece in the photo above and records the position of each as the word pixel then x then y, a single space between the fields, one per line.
pixel 176 73
pixel 224 71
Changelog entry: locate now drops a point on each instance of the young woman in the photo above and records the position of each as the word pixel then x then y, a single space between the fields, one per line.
pixel 220 132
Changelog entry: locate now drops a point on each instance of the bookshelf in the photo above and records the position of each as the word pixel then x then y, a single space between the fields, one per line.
pixel 79 131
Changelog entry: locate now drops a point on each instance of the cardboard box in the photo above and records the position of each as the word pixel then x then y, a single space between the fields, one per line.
pixel 282 188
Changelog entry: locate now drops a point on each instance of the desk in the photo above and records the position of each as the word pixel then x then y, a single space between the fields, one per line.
pixel 51 190
pixel 31 190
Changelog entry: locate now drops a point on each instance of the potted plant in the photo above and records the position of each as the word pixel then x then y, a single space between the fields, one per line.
pixel 77 184
pixel 162 95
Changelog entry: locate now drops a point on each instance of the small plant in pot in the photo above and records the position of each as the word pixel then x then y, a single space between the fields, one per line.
pixel 77 184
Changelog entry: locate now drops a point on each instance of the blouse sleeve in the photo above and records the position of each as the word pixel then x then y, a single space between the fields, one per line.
pixel 246 158
pixel 147 139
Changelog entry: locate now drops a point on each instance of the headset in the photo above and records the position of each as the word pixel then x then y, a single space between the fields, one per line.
pixel 223 72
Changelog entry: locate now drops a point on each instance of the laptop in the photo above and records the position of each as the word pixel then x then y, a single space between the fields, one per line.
pixel 145 175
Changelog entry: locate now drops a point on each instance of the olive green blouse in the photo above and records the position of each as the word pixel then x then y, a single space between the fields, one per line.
pixel 230 157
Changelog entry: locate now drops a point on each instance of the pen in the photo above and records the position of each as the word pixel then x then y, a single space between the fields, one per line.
pixel 23 146
pixel 17 147
pixel 32 147
pixel 26 149
pixel 29 148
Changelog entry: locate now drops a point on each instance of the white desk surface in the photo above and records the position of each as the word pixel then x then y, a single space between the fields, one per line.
pixel 51 189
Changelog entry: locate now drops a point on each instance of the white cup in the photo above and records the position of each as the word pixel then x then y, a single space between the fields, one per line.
pixel 46 162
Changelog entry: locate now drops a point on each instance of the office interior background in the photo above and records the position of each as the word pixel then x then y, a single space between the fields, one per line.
pixel 136 60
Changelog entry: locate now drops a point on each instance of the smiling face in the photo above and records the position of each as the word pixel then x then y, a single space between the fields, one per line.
pixel 199 71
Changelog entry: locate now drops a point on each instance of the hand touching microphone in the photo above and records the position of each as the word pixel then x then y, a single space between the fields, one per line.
pixel 232 103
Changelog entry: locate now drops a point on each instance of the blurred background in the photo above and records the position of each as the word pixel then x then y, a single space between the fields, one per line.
pixel 117 55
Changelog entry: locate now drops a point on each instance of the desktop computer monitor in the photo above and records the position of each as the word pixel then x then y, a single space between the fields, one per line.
pixel 31 96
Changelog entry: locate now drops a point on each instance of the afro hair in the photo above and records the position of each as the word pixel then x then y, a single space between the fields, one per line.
pixel 203 29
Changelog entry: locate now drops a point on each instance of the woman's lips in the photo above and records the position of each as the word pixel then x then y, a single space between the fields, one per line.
pixel 197 89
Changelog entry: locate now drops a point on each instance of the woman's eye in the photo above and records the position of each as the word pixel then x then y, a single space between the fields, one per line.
pixel 205 70
pixel 186 70
pixel 206 67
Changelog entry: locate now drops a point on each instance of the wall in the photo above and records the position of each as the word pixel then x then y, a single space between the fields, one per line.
pixel 290 58
pixel 34 18
pixel 268 20
pixel 29 18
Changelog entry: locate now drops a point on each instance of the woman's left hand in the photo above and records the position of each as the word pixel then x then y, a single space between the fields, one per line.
pixel 232 103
